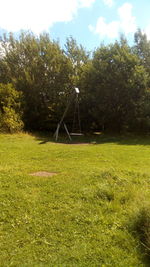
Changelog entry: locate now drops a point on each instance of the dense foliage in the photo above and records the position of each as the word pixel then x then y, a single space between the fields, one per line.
pixel 10 109
pixel 114 83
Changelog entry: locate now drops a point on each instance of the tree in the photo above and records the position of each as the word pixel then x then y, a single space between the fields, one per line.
pixel 142 49
pixel 38 68
pixel 78 56
pixel 115 83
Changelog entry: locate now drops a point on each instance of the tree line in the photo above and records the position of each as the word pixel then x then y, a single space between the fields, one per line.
pixel 37 77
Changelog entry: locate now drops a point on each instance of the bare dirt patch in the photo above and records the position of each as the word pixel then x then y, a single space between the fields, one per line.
pixel 43 173
pixel 75 143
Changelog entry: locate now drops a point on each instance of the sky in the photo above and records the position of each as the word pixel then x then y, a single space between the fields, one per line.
pixel 90 22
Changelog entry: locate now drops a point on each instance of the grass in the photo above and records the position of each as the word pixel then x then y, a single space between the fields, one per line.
pixel 84 215
pixel 142 227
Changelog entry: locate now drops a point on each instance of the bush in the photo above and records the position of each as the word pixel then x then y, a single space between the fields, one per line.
pixel 10 109
pixel 11 121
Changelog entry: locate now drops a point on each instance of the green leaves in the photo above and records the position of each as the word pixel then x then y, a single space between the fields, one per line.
pixel 116 84
pixel 113 82
pixel 38 68
pixel 10 111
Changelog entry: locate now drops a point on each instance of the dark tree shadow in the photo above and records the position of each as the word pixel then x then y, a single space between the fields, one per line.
pixel 94 139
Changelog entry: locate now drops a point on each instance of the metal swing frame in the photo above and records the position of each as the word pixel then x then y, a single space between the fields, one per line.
pixel 76 110
pixel 76 116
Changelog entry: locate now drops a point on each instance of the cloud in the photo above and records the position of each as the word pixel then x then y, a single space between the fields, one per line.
pixel 108 3
pixel 38 15
pixel 105 29
pixel 126 23
pixel 147 31
pixel 86 3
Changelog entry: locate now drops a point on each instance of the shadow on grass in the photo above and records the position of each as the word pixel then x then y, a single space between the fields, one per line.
pixel 146 258
pixel 95 139
pixel 141 229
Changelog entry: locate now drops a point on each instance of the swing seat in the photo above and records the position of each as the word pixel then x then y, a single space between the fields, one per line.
pixel 76 134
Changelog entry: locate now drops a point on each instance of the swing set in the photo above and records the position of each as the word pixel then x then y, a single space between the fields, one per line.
pixel 76 126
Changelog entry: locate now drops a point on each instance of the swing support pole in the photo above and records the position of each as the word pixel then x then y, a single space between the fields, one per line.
pixel 62 119
pixel 56 134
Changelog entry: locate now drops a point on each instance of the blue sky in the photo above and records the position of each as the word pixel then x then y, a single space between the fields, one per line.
pixel 90 22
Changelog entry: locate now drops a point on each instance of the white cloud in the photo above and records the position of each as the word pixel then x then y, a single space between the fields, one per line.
pixel 38 15
pixel 105 29
pixel 126 23
pixel 147 31
pixel 86 3
pixel 108 3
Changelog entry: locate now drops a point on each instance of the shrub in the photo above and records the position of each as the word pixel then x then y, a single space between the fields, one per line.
pixel 11 121
pixel 10 109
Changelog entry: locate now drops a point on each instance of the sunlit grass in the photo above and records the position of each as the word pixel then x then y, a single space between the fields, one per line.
pixel 84 215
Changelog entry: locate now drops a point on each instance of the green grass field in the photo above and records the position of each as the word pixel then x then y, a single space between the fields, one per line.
pixel 82 216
